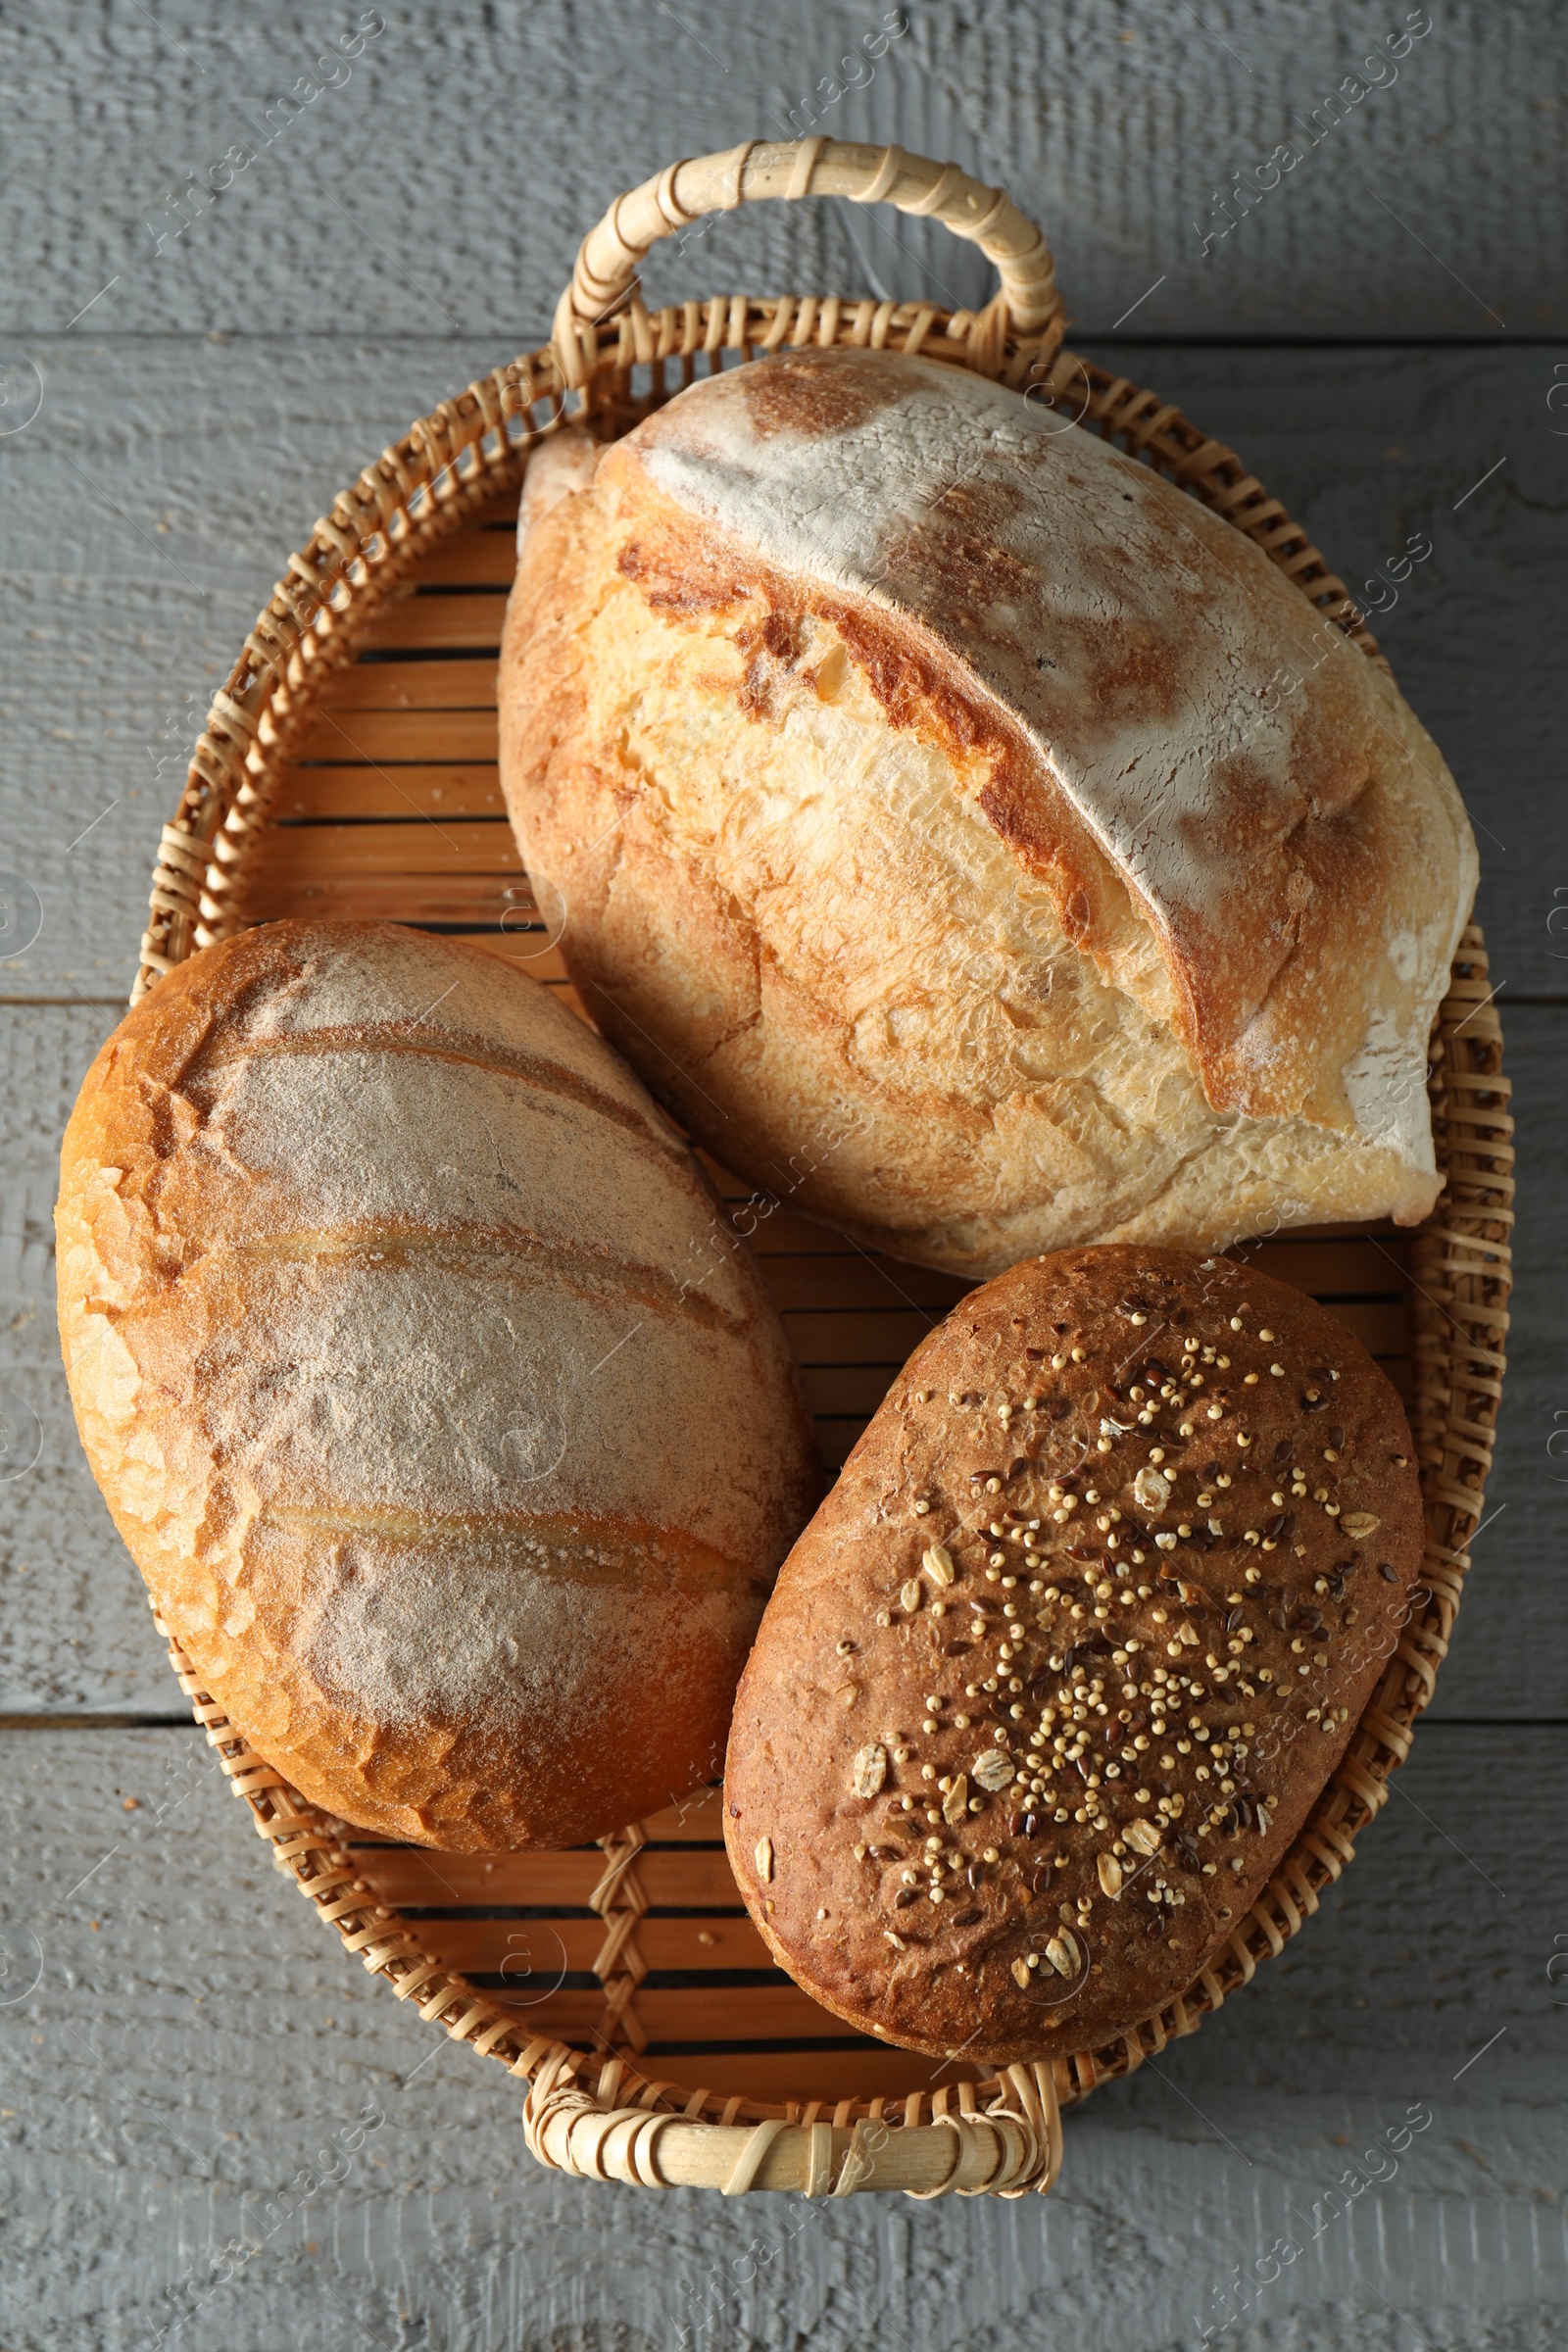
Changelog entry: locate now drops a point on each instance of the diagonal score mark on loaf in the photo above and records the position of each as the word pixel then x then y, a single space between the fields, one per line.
pixel 281 1121
pixel 515 1251
pixel 1231 864
pixel 501 1061
pixel 433 1518
pixel 491 1253
pixel 608 1549
pixel 971 1031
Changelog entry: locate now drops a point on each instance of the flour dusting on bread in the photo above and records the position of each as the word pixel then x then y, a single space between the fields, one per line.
pixel 915 766
pixel 456 1437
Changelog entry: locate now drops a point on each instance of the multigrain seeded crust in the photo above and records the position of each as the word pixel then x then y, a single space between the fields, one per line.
pixel 1053 1676
pixel 454 1437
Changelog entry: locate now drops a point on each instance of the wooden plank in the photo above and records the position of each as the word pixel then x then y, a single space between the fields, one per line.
pixel 485 555
pixel 789 1233
pixel 712 1942
pixel 415 850
pixel 863 2071
pixel 1324 1263
pixel 852 2066
pixel 696 1819
pixel 423 623
pixel 394 737
pixel 1383 1325
pixel 835 1436
pixel 854 1392
pixel 183 1993
pixel 1338 1267
pixel 531 1954
pixel 75 1632
pixel 519 945
pixel 458 684
pixel 712 2014
pixel 392 793
pixel 694 1880
pixel 464 899
pixel 878 1335
pixel 1057 104
pixel 524 1958
pixel 1345 1264
pixel 845 1285
pixel 521 948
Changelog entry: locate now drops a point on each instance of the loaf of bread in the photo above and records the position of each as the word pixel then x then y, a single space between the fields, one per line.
pixel 454 1434
pixel 1052 1679
pixel 940 796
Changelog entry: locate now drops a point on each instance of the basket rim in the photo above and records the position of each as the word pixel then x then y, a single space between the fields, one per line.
pixel 445 467
pixel 594 2115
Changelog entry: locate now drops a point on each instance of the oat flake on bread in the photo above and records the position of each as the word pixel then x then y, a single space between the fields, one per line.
pixel 954 813
pixel 457 1441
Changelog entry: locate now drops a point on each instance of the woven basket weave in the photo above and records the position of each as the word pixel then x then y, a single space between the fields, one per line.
pixel 664 2051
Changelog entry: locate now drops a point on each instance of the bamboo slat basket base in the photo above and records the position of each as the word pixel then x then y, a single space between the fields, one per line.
pixel 348 768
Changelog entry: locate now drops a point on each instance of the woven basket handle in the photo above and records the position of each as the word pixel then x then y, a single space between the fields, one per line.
pixel 608 256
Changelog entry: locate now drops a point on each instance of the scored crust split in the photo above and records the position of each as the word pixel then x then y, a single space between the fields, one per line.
pixel 935 791
pixel 457 1439
pixel 1053 1677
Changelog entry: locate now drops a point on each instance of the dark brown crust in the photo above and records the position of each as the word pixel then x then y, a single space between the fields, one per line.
pixel 795 398
pixel 842 1663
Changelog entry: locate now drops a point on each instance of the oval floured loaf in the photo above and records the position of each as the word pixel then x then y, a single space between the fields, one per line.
pixel 1052 1679
pixel 455 1437
pixel 942 797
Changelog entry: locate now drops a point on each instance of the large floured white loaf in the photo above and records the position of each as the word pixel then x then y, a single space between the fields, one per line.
pixel 940 795
pixel 455 1437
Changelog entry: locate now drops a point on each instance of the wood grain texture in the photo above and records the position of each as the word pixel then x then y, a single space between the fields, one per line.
pixel 175 2068
pixel 153 500
pixel 447 180
pixel 73 1627
pixel 149 513
pixel 181 2040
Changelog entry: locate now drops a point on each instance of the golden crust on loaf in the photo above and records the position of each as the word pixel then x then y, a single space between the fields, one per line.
pixel 1066 1657
pixel 456 1437
pixel 941 793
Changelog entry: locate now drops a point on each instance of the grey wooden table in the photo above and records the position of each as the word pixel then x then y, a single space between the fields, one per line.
pixel 183 384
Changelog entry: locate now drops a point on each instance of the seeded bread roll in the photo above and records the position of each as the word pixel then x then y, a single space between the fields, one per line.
pixel 456 1438
pixel 929 783
pixel 1053 1676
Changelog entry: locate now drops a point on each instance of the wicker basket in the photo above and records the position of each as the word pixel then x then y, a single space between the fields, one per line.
pixel 348 767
